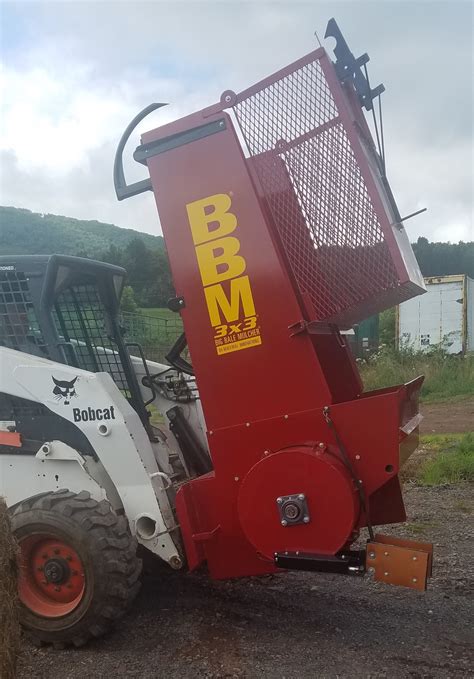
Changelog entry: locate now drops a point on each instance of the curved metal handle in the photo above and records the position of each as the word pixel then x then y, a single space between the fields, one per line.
pixel 122 189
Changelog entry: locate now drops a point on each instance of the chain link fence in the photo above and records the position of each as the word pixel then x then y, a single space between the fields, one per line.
pixel 156 335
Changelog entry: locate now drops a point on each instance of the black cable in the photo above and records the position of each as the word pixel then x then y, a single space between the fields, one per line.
pixel 382 135
pixel 358 482
pixel 379 146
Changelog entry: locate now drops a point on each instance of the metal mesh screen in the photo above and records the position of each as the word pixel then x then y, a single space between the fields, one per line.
pixel 80 321
pixel 19 328
pixel 316 193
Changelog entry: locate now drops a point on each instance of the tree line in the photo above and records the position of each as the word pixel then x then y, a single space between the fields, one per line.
pixel 149 273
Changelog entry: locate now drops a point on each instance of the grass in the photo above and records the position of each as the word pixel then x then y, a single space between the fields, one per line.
pixel 446 377
pixel 451 460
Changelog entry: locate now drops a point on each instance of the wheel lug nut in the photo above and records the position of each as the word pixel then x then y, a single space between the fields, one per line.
pixel 57 589
pixel 69 557
pixel 75 573
pixel 69 586
pixel 56 551
pixel 40 568
pixel 44 556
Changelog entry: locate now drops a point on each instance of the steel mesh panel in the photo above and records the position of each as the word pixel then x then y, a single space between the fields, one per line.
pixel 19 327
pixel 316 193
pixel 80 320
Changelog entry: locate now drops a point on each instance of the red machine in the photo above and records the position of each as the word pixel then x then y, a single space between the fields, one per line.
pixel 282 231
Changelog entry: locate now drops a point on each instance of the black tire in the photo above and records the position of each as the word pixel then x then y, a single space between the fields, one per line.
pixel 110 567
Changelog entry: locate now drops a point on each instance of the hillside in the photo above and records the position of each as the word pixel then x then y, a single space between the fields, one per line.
pixel 27 233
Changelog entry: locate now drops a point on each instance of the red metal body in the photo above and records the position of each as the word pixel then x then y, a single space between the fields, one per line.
pixel 274 244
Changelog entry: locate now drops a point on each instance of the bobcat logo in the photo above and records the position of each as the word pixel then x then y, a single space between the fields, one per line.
pixel 64 390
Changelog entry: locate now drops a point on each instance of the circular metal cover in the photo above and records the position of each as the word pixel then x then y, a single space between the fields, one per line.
pixel 331 497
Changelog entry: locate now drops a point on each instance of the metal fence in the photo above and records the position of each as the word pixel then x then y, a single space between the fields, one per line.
pixel 156 335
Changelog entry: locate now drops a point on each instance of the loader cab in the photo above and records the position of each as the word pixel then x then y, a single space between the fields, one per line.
pixel 67 309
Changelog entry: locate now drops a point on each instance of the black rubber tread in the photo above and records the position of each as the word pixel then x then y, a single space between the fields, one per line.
pixel 108 550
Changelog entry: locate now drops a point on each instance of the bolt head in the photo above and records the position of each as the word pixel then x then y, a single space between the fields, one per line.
pixel 286 417
pixel 415 559
pixel 386 574
pixel 305 519
pixel 357 457
pixel 279 500
pixel 415 579
pixel 57 589
pixel 301 496
pixel 284 523
pixel 371 570
pixel 385 553
pixel 371 555
pixel 321 445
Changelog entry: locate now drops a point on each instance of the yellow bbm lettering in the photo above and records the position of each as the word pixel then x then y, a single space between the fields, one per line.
pixel 240 297
pixel 214 209
pixel 221 254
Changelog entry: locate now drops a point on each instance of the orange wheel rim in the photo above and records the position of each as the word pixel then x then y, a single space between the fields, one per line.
pixel 52 579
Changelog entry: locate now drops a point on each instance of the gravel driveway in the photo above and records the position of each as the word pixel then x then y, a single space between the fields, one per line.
pixel 297 624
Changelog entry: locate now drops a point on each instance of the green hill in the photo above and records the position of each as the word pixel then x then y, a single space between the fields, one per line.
pixel 29 233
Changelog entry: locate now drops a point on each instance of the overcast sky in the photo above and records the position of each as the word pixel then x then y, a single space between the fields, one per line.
pixel 73 74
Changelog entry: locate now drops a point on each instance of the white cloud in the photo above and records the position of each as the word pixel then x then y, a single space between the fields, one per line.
pixel 74 74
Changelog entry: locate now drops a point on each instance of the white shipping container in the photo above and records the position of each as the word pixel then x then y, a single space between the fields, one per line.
pixel 443 315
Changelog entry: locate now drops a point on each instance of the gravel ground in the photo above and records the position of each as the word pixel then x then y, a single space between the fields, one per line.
pixel 297 624
pixel 447 417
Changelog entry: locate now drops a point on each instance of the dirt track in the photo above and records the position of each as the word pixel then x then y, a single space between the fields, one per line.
pixel 447 417
pixel 297 625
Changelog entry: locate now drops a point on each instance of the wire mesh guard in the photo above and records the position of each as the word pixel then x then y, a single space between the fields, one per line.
pixel 19 328
pixel 331 233
pixel 79 317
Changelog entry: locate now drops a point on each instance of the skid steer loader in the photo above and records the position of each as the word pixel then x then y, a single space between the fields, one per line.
pixel 282 233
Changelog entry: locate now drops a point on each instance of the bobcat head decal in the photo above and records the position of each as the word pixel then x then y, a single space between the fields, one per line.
pixel 64 390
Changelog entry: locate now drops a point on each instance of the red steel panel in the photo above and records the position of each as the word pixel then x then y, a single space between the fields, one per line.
pixel 259 248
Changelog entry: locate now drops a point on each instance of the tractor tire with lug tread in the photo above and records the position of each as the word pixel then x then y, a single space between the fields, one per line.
pixel 79 571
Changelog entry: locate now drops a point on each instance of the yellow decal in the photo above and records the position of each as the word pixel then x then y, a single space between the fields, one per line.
pixel 227 290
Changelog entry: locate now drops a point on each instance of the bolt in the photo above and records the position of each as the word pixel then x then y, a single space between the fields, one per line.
pixel 301 496
pixel 385 573
pixel 357 457
pixel 321 445
pixel 279 500
pixel 415 580
pixel 221 124
pixel 247 424
pixel 69 557
pixel 371 555
pixel 414 558
pixel 284 523
pixel 44 582
pixel 385 553
pixel 236 478
pixel 45 449
pixel 266 452
pixel 69 586
pixel 75 572
pixel 227 98
pixel 56 551
pixel 44 556
pixel 286 417
pixel 371 570
pixel 40 568
pixel 305 519
pixel 210 433
pixel 57 589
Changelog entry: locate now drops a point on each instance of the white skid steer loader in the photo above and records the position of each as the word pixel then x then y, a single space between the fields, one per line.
pixel 85 473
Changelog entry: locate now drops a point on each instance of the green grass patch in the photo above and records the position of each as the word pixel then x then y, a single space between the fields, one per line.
pixel 453 461
pixel 446 377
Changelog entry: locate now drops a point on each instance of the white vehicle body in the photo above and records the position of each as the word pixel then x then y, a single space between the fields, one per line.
pixel 131 472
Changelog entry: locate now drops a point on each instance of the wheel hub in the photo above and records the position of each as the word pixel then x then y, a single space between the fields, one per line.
pixel 57 571
pixel 52 579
